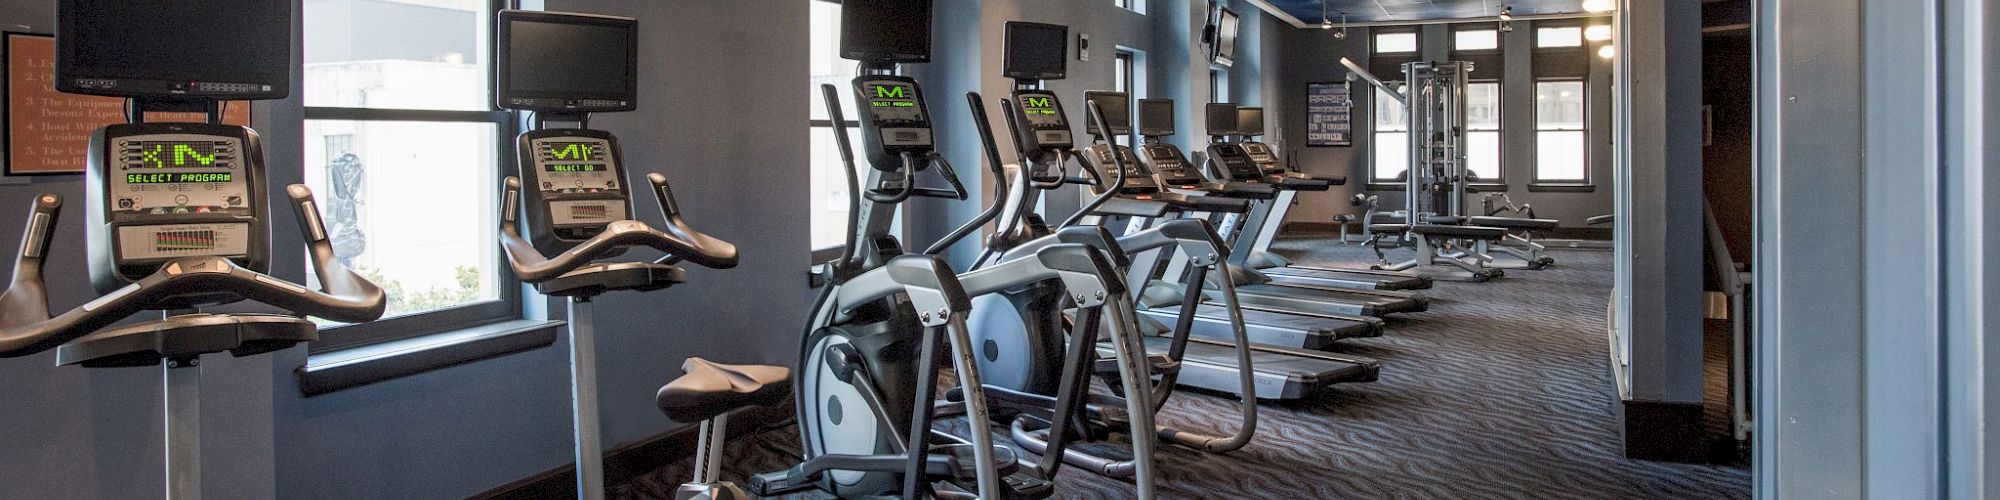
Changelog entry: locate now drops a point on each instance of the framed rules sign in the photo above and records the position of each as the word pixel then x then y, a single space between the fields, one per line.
pixel 49 131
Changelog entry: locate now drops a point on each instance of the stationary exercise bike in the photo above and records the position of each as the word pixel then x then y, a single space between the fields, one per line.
pixel 572 194
pixel 177 217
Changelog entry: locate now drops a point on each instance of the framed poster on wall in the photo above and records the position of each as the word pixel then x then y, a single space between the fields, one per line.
pixel 47 132
pixel 1329 115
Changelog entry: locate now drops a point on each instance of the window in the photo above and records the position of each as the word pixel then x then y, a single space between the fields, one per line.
pixel 1392 137
pixel 829 174
pixel 1482 136
pixel 1138 6
pixel 1475 40
pixel 1561 150
pixel 1125 78
pixel 399 122
pixel 1218 85
pixel 1559 36
pixel 1394 43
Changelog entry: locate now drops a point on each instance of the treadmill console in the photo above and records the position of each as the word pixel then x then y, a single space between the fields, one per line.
pixel 172 190
pixel 1170 167
pixel 1137 179
pixel 575 185
pixel 1235 162
pixel 897 120
pixel 1261 155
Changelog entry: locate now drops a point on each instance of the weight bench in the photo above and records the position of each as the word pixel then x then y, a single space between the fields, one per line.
pixel 1463 247
pixel 1520 239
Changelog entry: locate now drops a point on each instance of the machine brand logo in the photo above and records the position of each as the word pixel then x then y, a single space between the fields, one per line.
pixel 890 92
pixel 154 155
pixel 1036 102
pixel 572 152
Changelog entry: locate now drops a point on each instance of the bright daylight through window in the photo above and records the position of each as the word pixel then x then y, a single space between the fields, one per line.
pixel 404 175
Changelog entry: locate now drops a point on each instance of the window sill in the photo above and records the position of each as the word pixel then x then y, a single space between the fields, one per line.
pixel 1561 188
pixel 357 366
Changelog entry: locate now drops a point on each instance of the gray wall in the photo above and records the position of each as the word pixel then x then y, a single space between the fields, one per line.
pixel 1665 210
pixel 473 427
pixel 1313 55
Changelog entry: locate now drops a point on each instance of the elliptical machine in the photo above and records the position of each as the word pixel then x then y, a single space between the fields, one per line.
pixel 576 203
pixel 870 356
pixel 176 220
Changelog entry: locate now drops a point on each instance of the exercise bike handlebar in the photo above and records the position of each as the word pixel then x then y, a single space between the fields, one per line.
pixel 684 244
pixel 722 253
pixel 27 328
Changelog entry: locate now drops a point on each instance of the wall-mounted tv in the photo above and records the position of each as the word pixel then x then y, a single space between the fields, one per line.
pixel 1223 50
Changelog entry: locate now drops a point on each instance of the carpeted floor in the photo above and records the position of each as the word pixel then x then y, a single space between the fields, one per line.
pixel 1501 390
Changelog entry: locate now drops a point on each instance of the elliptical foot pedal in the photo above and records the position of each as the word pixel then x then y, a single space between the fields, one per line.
pixel 771 484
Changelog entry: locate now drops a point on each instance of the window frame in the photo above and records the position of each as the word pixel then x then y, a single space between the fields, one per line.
pixel 1581 42
pixel 1416 42
pixel 1498 43
pixel 1376 100
pixel 1127 64
pixel 813 126
pixel 1499 130
pixel 1583 90
pixel 507 306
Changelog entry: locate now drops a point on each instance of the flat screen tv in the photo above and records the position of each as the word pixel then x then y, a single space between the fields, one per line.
pixel 553 61
pixel 1036 51
pixel 1223 51
pixel 175 49
pixel 886 31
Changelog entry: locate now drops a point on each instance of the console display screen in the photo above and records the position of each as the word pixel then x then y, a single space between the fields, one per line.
pixel 1041 110
pixel 891 102
pixel 176 174
pixel 576 165
pixel 179 178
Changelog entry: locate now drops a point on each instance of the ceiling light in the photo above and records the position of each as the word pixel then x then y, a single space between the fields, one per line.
pixel 1600 5
pixel 1323 22
pixel 1597 32
pixel 1608 51
pixel 1507 13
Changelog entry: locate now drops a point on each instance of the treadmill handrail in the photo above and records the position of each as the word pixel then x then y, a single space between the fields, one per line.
pixel 27 328
pixel 531 266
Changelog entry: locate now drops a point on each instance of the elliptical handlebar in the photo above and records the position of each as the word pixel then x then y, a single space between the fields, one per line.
pixel 992 150
pixel 1095 115
pixel 686 244
pixel 27 328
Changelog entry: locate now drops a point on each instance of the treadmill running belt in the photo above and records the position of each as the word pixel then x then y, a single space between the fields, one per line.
pixel 1212 366
pixel 1358 280
pixel 1320 301
pixel 1291 331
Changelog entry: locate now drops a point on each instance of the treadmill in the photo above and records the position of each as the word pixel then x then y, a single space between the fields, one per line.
pixel 1229 161
pixel 1250 125
pixel 1171 173
pixel 1209 362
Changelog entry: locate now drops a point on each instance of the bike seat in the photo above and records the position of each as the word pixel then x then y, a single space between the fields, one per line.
pixel 710 389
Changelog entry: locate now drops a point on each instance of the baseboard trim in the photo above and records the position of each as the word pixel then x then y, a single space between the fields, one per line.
pixel 1666 431
pixel 624 463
